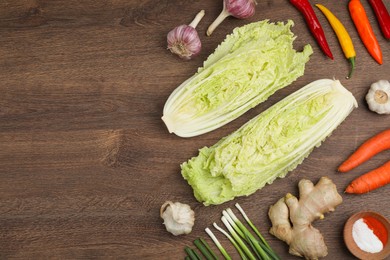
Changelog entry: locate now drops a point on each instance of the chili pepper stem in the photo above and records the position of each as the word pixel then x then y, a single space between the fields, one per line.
pixel 352 61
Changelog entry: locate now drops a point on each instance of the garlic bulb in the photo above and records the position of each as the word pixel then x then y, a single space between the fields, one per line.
pixel 240 9
pixel 178 217
pixel 184 39
pixel 378 97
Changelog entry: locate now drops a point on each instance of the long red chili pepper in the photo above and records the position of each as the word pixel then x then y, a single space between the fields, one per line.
pixel 314 25
pixel 363 26
pixel 382 15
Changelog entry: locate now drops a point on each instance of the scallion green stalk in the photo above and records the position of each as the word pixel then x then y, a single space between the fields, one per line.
pixel 216 242
pixel 233 224
pixel 191 253
pixel 263 243
pixel 239 250
pixel 237 238
pixel 254 248
pixel 246 234
pixel 241 238
pixel 251 224
pixel 203 249
pixel 270 252
pixel 206 245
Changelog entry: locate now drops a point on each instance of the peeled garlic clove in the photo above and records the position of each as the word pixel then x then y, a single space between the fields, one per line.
pixel 378 97
pixel 178 218
pixel 184 39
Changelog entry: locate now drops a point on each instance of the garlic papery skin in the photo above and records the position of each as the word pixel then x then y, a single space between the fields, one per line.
pixel 378 97
pixel 178 218
pixel 184 39
pixel 240 9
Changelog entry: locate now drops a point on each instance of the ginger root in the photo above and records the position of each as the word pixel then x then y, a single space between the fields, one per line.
pixel 291 218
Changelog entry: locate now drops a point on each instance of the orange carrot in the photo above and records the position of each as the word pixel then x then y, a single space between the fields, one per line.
pixel 371 180
pixel 368 149
pixel 363 26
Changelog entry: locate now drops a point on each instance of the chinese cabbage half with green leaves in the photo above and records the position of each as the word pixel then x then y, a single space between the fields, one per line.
pixel 270 145
pixel 246 68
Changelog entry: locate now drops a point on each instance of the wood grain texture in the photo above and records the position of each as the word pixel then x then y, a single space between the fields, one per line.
pixel 85 160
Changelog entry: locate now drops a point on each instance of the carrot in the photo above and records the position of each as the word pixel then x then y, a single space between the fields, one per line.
pixel 368 149
pixel 371 180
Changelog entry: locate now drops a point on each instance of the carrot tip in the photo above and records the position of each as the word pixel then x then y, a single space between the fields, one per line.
pixel 341 169
pixel 349 189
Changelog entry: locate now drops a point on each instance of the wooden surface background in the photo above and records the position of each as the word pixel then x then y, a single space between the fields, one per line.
pixel 85 160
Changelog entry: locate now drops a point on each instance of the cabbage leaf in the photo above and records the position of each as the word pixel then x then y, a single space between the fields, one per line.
pixel 270 145
pixel 250 65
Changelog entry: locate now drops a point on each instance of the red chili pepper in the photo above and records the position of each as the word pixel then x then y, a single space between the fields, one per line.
pixel 363 26
pixel 382 15
pixel 314 25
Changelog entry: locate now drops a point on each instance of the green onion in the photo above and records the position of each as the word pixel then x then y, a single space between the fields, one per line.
pixel 203 249
pixel 245 234
pixel 206 245
pixel 198 256
pixel 269 251
pixel 216 242
pixel 240 237
pixel 263 243
pixel 242 254
pixel 233 224
pixel 251 224
pixel 237 238
pixel 260 256
pixel 191 253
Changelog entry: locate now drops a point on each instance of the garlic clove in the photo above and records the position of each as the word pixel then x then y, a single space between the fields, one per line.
pixel 184 40
pixel 178 218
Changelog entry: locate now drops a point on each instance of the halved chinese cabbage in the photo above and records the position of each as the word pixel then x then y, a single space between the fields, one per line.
pixel 246 68
pixel 270 145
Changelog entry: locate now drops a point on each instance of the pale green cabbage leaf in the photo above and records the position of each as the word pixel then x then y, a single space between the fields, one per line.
pixel 270 145
pixel 250 65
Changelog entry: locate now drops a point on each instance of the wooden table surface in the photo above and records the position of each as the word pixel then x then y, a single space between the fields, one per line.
pixel 85 160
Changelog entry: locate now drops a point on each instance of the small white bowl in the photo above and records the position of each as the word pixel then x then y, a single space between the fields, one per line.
pixel 353 247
